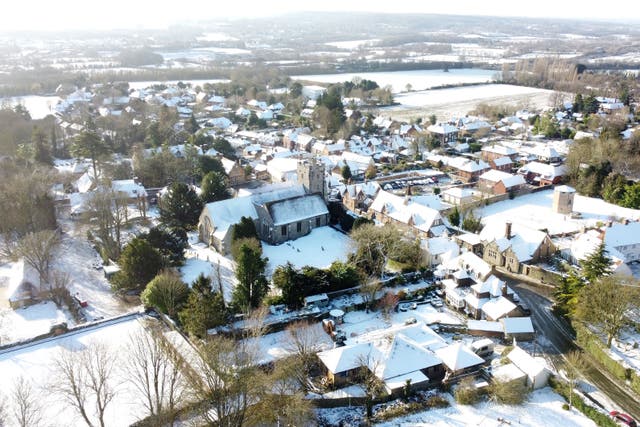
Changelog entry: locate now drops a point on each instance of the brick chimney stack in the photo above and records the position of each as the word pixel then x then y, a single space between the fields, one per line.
pixel 507 229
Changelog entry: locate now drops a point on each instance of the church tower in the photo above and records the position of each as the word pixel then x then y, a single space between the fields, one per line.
pixel 311 176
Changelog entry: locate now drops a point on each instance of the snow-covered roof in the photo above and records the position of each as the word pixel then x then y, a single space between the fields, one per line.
pixel 457 357
pixel 470 238
pixel 622 235
pixel 492 285
pixel 564 189
pixel 471 262
pixel 468 165
pixel 297 209
pixel 499 149
pixel 508 372
pixel 128 186
pixel 226 213
pixel 484 325
pixel 442 129
pixel 502 161
pixel 517 325
pixel 227 164
pixel 528 364
pixel 406 211
pixel 441 245
pixel 544 170
pixel 85 183
pixel 497 308
pixel 494 175
pixel 369 188
pixel 524 241
pixel 405 356
pixel 342 359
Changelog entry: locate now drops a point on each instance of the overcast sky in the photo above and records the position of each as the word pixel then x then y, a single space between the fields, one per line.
pixel 106 14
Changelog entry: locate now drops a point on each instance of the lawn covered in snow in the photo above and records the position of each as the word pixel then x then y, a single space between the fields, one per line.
pixel 35 363
pixel 31 321
pixel 534 211
pixel 544 408
pixel 201 259
pixel 319 248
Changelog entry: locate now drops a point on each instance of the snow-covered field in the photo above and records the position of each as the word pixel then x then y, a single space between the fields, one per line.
pixel 38 106
pixel 31 321
pixel 319 248
pixel 352 44
pixel 458 101
pixel 35 364
pixel 418 79
pixel 534 210
pixel 544 408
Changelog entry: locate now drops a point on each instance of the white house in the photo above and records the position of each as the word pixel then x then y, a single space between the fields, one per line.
pixel 625 239
pixel 535 368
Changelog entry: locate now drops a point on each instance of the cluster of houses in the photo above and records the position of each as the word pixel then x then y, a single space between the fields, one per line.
pixel 417 355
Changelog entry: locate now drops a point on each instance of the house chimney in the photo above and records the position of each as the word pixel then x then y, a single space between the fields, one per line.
pixel 507 229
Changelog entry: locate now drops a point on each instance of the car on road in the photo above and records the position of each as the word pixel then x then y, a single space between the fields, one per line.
pixel 623 419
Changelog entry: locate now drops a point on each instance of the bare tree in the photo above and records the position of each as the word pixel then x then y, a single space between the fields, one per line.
pixel 574 364
pixel 59 286
pixel 387 304
pixel 155 369
pixel 226 382
pixel 284 403
pixel 27 410
pixel 372 386
pixel 368 291
pixel 37 251
pixel 304 340
pixel 110 210
pixel 85 381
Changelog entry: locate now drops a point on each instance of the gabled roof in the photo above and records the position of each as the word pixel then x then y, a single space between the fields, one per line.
pixel 493 285
pixel 524 241
pixel 622 235
pixel 226 213
pixel 497 308
pixel 525 362
pixel 405 211
pixel 297 209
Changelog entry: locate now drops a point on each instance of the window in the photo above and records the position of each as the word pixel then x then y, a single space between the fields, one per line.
pixel 317 221
pixel 299 227
pixel 283 230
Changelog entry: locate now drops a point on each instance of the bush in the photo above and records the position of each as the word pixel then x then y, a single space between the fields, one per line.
pixel 466 393
pixel 565 406
pixel 509 392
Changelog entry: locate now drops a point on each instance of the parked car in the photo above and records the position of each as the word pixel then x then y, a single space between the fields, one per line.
pixel 410 321
pixel 403 307
pixel 436 302
pixel 413 306
pixel 623 419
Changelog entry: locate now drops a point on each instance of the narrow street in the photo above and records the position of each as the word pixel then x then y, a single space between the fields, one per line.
pixel 559 340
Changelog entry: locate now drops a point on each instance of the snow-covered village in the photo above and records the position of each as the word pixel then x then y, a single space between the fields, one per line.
pixel 266 249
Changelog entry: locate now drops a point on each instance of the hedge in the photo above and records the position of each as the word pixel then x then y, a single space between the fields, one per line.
pixel 592 413
pixel 592 344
